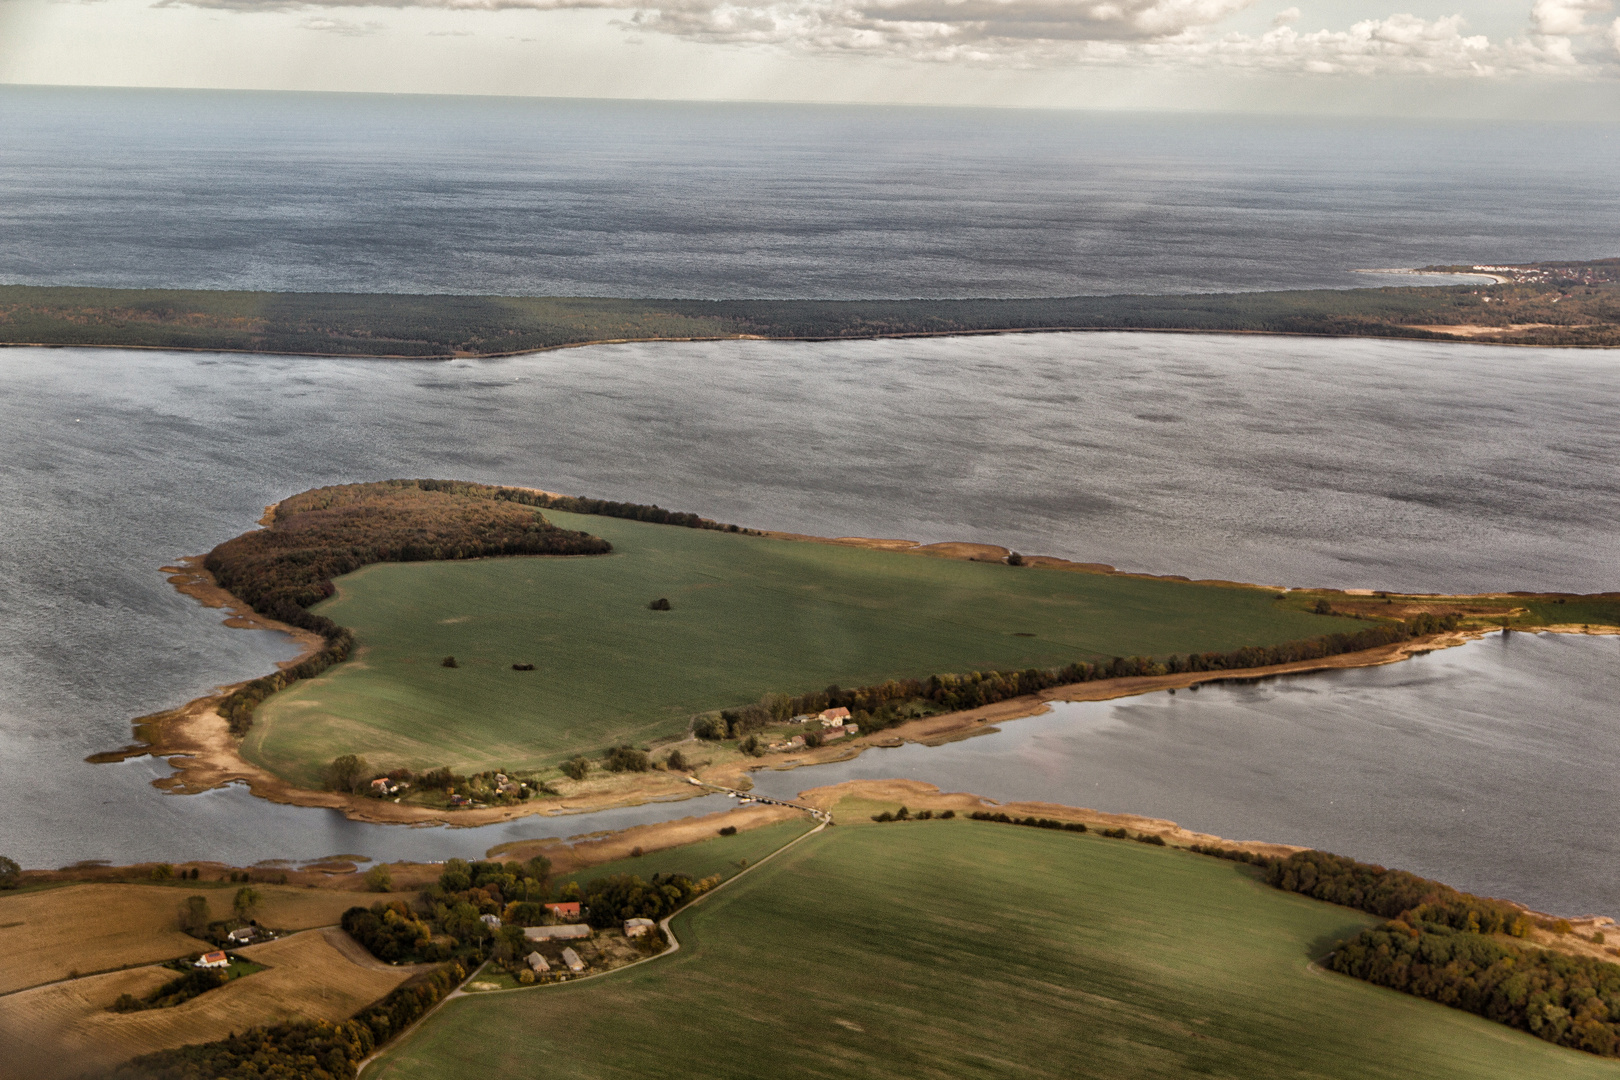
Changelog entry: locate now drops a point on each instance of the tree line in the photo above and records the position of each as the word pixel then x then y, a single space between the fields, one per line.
pixel 286 568
pixel 877 707
pixel 1446 945
pixel 302 1049
pixel 574 504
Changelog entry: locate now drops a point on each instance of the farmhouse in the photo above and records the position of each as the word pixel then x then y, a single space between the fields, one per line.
pixel 637 927
pixel 835 717
pixel 557 933
pixel 571 958
pixel 212 960
pixel 537 963
pixel 565 910
pixel 241 936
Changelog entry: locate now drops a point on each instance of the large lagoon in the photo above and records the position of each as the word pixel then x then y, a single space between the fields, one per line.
pixel 1289 461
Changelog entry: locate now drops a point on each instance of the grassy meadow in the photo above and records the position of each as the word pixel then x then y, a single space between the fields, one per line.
pixel 750 615
pixel 966 949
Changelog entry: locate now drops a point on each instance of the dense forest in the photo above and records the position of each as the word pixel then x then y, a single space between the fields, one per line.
pixel 282 570
pixel 1549 311
pixel 1455 948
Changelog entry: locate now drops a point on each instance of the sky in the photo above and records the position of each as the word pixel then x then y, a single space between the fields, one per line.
pixel 1471 58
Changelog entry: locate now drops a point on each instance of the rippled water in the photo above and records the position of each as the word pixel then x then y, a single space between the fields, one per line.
pixel 1494 767
pixel 1302 461
pixel 393 193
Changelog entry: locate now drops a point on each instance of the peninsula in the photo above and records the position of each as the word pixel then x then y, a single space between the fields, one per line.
pixel 1565 304
pixel 475 653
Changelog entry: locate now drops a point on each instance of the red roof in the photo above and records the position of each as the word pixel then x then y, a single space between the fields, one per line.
pixel 571 907
pixel 839 713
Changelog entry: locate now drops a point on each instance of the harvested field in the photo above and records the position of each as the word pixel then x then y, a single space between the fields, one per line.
pixel 54 933
pixel 61 1030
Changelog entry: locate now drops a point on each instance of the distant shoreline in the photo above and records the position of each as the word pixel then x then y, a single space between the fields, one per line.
pixel 1542 304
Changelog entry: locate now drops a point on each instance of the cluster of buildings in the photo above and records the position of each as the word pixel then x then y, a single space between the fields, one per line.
pixel 834 724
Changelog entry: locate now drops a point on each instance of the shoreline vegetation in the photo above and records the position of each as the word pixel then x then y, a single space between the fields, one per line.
pixel 1550 977
pixel 1547 304
pixel 287 567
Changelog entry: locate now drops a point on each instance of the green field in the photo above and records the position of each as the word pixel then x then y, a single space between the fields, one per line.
pixel 962 949
pixel 751 615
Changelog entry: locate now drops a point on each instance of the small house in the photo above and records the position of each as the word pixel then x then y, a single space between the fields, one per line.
pixel 557 933
pixel 637 927
pixel 571 958
pixel 491 921
pixel 241 936
pixel 537 963
pixel 212 960
pixel 566 910
pixel 835 717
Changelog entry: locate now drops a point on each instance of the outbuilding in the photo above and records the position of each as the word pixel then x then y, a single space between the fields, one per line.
pixel 567 909
pixel 537 963
pixel 241 936
pixel 557 933
pixel 571 958
pixel 637 927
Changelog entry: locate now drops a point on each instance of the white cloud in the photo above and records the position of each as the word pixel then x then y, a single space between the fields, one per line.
pixel 1564 18
pixel 344 27
pixel 1048 33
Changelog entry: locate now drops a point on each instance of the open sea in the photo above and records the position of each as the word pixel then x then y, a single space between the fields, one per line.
pixel 1287 461
pixel 388 193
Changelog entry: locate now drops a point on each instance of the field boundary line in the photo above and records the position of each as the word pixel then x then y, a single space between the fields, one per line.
pixel 823 819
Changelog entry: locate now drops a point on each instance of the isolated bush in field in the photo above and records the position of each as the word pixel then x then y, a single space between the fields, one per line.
pixel 947 815
pixel 752 746
pixel 1323 608
pixel 813 739
pixel 729 830
pixel 246 902
pixel 712 728
pixel 526 978
pixel 626 759
pixel 1151 838
pixel 162 872
pixel 346 772
pixel 379 879
pixel 1015 559
pixel 575 768
pixel 661 604
pixel 449 661
pixel 10 873
pixel 522 667
pixel 194 914
pixel 676 761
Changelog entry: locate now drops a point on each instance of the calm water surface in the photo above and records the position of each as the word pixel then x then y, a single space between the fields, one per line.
pixel 1296 461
